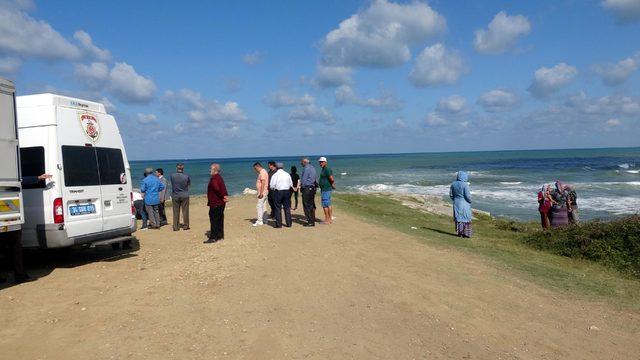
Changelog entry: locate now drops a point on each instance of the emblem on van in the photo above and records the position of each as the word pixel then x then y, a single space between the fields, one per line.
pixel 90 126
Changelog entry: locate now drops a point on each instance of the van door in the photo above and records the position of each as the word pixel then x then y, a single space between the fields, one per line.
pixel 116 193
pixel 81 191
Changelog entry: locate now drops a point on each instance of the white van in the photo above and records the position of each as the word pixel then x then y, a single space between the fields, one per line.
pixel 89 197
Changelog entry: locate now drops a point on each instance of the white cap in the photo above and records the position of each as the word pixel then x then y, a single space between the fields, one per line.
pixel 322 158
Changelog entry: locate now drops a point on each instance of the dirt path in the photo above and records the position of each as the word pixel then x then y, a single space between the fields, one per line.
pixel 350 290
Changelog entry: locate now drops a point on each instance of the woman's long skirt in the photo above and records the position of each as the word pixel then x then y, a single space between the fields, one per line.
pixel 574 217
pixel 464 229
pixel 559 217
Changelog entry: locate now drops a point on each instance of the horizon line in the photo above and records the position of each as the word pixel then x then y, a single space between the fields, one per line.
pixel 391 153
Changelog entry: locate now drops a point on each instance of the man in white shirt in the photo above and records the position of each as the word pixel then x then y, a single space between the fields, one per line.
pixel 281 185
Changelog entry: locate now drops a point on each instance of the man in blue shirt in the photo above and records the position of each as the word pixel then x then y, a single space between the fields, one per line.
pixel 308 185
pixel 150 189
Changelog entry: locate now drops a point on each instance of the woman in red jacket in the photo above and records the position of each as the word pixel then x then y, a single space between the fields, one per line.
pixel 217 197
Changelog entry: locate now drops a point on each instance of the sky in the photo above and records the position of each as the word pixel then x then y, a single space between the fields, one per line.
pixel 218 79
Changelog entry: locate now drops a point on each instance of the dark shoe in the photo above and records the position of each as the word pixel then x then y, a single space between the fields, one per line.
pixel 176 229
pixel 278 227
pixel 210 241
pixel 185 228
pixel 309 225
pixel 23 278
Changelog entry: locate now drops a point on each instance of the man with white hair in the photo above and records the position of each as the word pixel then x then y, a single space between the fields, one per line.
pixel 217 198
pixel 281 185
pixel 327 185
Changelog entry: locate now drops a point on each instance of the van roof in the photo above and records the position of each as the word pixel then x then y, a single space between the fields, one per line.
pixel 58 100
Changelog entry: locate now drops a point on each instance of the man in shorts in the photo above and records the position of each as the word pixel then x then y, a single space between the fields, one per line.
pixel 327 185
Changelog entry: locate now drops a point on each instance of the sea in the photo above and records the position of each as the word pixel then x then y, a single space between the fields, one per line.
pixel 503 183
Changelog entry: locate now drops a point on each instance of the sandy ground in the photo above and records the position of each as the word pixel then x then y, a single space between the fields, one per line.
pixel 346 291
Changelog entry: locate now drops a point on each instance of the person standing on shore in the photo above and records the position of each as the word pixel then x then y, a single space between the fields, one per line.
pixel 559 210
pixel 572 201
pixel 180 183
pixel 296 185
pixel 217 198
pixel 544 206
pixel 461 195
pixel 281 185
pixel 150 189
pixel 262 187
pixel 308 186
pixel 272 170
pixel 163 196
pixel 327 185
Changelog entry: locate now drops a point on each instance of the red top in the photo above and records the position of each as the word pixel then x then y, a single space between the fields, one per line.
pixel 216 191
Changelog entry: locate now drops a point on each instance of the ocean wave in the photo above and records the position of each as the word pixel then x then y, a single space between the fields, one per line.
pixel 623 166
pixel 510 182
pixel 633 171
pixel 622 205
pixel 405 189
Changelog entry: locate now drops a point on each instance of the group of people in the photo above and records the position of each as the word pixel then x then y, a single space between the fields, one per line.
pixel 558 207
pixel 277 187
pixel 149 202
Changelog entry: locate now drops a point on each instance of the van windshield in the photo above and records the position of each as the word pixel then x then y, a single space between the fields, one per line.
pixel 90 166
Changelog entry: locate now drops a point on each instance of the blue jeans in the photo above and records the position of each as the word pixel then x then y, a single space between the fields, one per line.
pixel 326 198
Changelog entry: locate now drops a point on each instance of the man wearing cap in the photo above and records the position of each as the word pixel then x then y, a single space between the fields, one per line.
pixel 308 186
pixel 327 185
pixel 180 183
pixel 281 185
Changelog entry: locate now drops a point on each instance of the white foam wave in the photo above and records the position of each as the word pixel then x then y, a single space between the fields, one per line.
pixel 622 205
pixel 510 182
pixel 405 189
pixel 623 166
pixel 633 171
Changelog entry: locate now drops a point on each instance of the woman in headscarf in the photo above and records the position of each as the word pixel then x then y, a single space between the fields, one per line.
pixel 559 212
pixel 572 202
pixel 461 196
pixel 544 205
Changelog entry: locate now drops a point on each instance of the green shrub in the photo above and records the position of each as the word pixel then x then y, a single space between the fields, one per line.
pixel 615 244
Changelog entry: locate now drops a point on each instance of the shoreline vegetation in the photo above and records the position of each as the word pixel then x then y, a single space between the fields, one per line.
pixel 599 260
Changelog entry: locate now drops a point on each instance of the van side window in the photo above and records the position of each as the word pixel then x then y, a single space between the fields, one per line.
pixel 32 165
pixel 111 165
pixel 80 166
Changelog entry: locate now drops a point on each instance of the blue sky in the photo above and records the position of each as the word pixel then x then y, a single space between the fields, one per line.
pixel 254 78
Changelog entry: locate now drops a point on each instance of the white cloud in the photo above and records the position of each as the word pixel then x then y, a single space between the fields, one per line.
pixel 399 124
pixel 305 114
pixel 253 58
pixel 146 118
pixel 130 87
pixel 179 128
pixel 202 112
pixel 387 101
pixel 89 48
pixel 9 64
pixel 281 98
pixel 617 104
pixel 109 106
pixel 547 81
pixel 502 33
pixel 307 132
pixel 330 76
pixel 611 123
pixel 498 100
pixel 452 104
pixel 435 119
pixel 436 66
pixel 616 74
pixel 93 75
pixel 23 36
pixel 625 10
pixel 381 35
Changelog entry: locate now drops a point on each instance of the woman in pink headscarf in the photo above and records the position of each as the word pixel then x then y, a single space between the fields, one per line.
pixel 544 206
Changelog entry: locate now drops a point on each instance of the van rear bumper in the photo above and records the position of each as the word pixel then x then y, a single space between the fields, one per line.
pixel 55 236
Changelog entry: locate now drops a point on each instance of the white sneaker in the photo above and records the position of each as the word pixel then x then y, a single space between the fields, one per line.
pixel 256 224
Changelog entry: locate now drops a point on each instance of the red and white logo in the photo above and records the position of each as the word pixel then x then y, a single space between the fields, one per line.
pixel 90 126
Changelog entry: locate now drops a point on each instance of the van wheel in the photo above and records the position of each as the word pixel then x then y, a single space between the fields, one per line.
pixel 115 246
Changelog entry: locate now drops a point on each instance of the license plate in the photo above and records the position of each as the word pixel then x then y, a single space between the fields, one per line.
pixel 82 209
